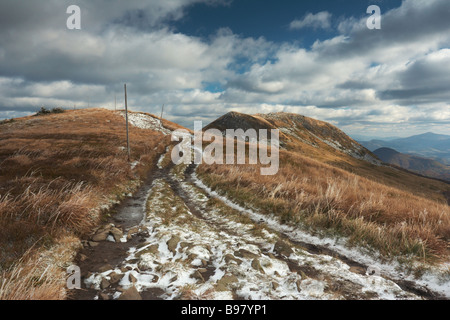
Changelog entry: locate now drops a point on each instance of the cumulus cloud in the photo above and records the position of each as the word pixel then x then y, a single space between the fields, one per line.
pixel 399 70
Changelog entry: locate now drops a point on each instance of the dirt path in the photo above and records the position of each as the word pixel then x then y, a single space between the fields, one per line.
pixel 185 243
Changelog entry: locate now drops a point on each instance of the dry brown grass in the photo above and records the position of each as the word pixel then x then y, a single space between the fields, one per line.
pixel 38 274
pixel 25 282
pixel 387 216
pixel 55 172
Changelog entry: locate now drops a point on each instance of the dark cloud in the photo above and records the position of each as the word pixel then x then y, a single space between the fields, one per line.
pixel 411 23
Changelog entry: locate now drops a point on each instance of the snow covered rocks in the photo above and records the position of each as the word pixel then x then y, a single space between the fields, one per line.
pixel 109 232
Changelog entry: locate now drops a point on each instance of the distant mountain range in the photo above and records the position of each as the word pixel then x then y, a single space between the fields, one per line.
pixel 420 165
pixel 427 145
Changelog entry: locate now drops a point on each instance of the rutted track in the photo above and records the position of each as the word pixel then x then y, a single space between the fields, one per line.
pixel 356 266
pixel 191 244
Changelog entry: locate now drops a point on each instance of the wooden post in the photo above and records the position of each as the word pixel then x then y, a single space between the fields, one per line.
pixel 115 102
pixel 162 111
pixel 126 117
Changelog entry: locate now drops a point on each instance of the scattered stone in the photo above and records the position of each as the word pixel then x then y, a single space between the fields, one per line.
pixel 104 284
pixel 270 255
pixel 257 266
pixel 202 270
pixel 143 234
pixel 132 278
pixel 185 245
pixel 275 285
pixel 224 283
pixel 92 244
pixel 133 231
pixel 243 253
pixel 83 257
pixel 282 248
pixel 98 237
pixel 173 243
pixel 130 294
pixel 230 258
pixel 154 248
pixel 192 257
pixel 143 266
pixel 115 277
pixel 116 233
pixel 358 270
pixel 198 276
pixel 298 284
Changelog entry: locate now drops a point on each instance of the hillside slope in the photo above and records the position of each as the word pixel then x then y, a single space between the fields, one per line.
pixel 59 174
pixel 328 183
pixel 326 143
pixel 297 131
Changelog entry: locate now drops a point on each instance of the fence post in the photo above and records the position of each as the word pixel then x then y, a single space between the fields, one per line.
pixel 126 117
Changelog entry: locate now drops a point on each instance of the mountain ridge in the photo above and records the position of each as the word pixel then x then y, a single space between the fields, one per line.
pixel 297 131
pixel 428 145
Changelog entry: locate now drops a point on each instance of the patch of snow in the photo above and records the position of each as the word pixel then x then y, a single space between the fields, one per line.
pixel 145 121
pixel 356 152
pixel 134 164
pixel 161 158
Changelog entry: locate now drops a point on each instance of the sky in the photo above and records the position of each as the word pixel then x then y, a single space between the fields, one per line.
pixel 204 58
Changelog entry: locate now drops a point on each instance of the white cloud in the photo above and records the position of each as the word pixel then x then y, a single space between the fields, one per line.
pixel 320 20
pixel 357 79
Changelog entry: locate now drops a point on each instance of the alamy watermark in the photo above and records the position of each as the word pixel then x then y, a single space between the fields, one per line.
pixel 74 20
pixel 190 148
pixel 74 278
pixel 374 21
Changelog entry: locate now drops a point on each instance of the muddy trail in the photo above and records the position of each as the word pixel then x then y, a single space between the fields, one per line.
pixel 175 240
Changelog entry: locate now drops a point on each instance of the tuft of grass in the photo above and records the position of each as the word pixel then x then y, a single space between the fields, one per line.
pixel 24 281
